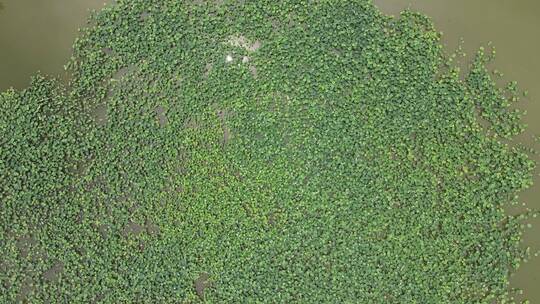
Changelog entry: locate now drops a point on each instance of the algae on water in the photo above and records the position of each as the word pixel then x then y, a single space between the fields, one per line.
pixel 259 151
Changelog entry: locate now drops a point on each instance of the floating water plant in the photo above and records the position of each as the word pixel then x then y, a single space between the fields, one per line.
pixel 327 154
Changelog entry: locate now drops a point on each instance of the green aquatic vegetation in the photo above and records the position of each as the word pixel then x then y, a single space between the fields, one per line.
pixel 260 151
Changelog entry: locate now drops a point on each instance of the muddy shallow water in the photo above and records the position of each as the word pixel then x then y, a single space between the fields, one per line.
pixel 37 35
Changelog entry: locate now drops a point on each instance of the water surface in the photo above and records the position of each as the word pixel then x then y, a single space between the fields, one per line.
pixel 37 35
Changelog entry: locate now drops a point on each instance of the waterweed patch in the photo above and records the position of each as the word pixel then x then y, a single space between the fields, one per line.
pixel 342 161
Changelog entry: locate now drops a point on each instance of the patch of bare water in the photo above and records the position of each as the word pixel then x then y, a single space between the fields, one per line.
pixel 243 42
pixel 53 273
pixel 133 228
pixel 100 114
pixel 37 35
pixel 200 284
pixel 161 116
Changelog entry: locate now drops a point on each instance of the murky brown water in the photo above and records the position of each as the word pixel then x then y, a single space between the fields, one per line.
pixel 38 34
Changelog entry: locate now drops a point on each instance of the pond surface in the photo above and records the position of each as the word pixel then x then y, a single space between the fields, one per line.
pixel 38 35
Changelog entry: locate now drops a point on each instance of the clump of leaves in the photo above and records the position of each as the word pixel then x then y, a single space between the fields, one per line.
pixel 339 160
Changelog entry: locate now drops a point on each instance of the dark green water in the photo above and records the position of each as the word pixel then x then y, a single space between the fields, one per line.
pixel 38 34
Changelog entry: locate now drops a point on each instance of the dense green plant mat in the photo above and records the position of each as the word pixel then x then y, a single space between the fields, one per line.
pixel 259 151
